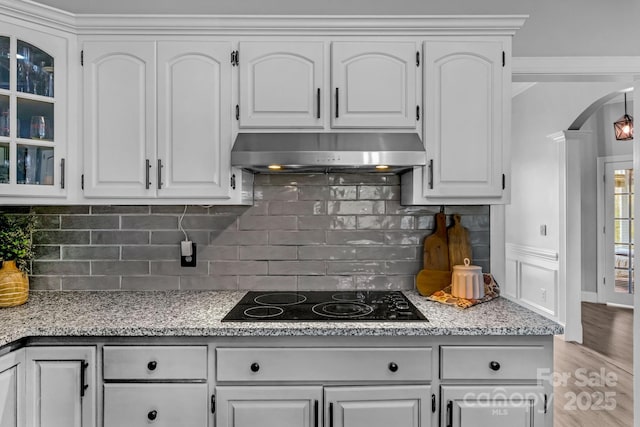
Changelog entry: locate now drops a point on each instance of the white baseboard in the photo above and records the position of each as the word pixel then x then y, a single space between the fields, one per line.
pixel 588 296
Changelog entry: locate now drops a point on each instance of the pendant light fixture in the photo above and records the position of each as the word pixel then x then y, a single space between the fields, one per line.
pixel 624 125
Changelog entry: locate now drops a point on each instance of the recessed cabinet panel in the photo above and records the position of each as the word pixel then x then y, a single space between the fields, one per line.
pixel 496 406
pixel 8 393
pixel 281 84
pixel 405 406
pixel 194 100
pixel 374 84
pixel 464 117
pixel 119 121
pixel 285 406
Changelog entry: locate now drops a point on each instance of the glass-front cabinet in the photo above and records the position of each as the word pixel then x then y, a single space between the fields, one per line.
pixel 32 134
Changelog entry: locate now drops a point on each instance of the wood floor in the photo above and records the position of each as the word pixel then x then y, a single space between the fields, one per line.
pixel 598 390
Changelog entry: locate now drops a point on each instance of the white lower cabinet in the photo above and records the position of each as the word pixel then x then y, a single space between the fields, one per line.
pixel 12 389
pixel 60 388
pixel 495 406
pixel 160 405
pixel 277 406
pixel 305 406
pixel 378 406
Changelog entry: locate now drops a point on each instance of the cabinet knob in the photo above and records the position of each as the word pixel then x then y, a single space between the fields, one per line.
pixel 152 365
pixel 152 415
pixel 255 367
pixel 393 367
pixel 495 366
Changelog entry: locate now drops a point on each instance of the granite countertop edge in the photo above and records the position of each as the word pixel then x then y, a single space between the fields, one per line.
pixel 199 314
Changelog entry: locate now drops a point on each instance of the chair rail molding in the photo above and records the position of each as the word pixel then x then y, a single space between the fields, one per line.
pixel 575 68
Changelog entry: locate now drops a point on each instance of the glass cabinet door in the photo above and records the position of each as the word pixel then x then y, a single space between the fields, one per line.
pixel 29 155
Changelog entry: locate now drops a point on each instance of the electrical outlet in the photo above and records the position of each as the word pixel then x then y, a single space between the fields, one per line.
pixel 543 294
pixel 187 254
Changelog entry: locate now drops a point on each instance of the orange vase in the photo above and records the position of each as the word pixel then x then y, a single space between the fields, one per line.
pixel 14 285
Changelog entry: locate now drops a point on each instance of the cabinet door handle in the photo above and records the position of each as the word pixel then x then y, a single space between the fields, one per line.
pixel 147 167
pixel 431 174
pixel 318 104
pixel 330 414
pixel 152 365
pixel 62 173
pixel 255 367
pixel 159 174
pixel 393 367
pixel 495 366
pixel 83 377
pixel 152 415
pixel 315 413
pixel 449 413
pixel 433 403
pixel 337 102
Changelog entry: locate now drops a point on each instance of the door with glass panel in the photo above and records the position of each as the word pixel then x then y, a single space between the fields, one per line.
pixel 32 136
pixel 618 231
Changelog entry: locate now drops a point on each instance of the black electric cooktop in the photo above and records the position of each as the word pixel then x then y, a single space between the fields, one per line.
pixel 324 306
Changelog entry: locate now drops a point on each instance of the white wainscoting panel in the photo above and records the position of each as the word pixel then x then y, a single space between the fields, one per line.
pixel 532 279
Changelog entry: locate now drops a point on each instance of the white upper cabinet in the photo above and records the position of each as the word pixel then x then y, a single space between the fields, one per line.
pixel 33 113
pixel 374 84
pixel 119 118
pixel 183 151
pixel 281 84
pixel 194 127
pixel 464 116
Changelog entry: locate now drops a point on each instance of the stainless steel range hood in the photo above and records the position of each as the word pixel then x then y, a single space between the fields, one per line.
pixel 328 152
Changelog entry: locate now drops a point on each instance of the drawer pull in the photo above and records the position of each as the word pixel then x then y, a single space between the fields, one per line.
pixel 393 367
pixel 495 366
pixel 152 415
pixel 152 365
pixel 255 367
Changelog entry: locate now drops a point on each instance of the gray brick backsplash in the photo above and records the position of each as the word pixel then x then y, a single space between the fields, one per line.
pixel 306 231
pixel 149 222
pixel 365 207
pixel 268 252
pixel 92 283
pixel 94 222
pixel 208 283
pixel 150 283
pixel 90 252
pixel 119 268
pixel 120 237
pixel 268 283
pixel 326 252
pixel 151 252
pixel 306 268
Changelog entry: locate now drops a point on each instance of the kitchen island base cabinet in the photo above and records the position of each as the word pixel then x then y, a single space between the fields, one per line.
pixel 61 386
pixel 160 405
pixel 495 406
pixel 12 389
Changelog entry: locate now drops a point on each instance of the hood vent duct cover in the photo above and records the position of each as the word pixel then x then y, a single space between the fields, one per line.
pixel 328 152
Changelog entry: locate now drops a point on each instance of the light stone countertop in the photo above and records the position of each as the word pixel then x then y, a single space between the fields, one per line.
pixel 198 313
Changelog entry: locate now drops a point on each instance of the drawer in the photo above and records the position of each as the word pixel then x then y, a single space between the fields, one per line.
pixel 160 405
pixel 493 362
pixel 323 364
pixel 155 362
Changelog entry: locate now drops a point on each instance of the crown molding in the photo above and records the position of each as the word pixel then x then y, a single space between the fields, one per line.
pixel 596 68
pixel 92 24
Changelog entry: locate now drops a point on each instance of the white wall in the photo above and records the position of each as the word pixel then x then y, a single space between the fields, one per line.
pixel 555 28
pixel 540 111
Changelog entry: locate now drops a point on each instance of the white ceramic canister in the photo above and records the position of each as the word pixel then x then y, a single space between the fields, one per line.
pixel 467 281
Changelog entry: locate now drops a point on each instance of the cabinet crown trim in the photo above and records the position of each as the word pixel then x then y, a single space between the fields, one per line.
pixel 243 25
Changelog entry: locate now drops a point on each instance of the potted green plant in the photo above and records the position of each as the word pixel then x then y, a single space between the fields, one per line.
pixel 16 253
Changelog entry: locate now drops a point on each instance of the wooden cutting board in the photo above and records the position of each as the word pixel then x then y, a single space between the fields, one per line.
pixel 430 281
pixel 459 243
pixel 436 251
